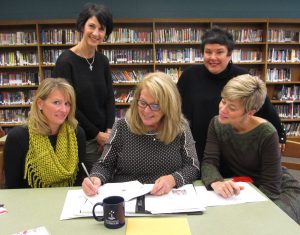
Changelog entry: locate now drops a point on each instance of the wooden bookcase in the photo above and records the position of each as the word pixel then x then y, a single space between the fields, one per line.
pixel 268 48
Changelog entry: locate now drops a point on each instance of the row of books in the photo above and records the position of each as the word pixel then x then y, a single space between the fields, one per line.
pixel 283 35
pixel 178 35
pixel 127 35
pixel 47 73
pixel 123 95
pixel 292 128
pixel 283 55
pixel 18 78
pixel 247 35
pixel 16 97
pixel 18 58
pixel 184 55
pixel 13 116
pixel 286 92
pixel 255 72
pixel 129 56
pixel 133 76
pixel 173 72
pixel 246 55
pixel 60 36
pixel 279 75
pixel 18 38
pixel 50 56
pixel 288 111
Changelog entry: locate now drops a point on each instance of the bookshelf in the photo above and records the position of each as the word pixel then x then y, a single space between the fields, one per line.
pixel 268 48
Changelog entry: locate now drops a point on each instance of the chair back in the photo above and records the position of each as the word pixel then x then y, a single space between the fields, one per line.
pixel 291 155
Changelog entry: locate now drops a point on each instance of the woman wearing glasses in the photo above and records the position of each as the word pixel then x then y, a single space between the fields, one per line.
pixel 153 144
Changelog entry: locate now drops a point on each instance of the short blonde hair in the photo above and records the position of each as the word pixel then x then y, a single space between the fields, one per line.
pixel 165 93
pixel 251 90
pixel 36 118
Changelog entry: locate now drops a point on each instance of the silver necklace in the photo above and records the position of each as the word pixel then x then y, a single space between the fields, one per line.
pixel 90 64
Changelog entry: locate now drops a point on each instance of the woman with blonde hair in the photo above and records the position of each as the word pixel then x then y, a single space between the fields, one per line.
pixel 241 144
pixel 153 144
pixel 47 150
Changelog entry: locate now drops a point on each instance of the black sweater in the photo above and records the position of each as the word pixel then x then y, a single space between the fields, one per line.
pixel 95 103
pixel 201 93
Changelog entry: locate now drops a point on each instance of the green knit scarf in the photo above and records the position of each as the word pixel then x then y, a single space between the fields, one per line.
pixel 46 167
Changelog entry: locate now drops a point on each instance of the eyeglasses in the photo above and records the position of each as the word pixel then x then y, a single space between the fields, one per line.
pixel 153 107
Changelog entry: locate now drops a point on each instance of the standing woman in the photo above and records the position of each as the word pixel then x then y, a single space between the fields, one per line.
pixel 89 73
pixel 47 151
pixel 200 87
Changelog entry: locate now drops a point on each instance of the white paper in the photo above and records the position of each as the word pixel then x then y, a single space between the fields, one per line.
pixel 183 199
pixel 77 204
pixel 127 190
pixel 3 210
pixel 248 194
pixel 35 231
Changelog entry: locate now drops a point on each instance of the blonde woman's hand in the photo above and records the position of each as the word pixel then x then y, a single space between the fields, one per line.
pixel 163 185
pixel 90 188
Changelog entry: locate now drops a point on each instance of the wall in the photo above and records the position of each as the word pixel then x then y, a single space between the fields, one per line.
pixel 62 9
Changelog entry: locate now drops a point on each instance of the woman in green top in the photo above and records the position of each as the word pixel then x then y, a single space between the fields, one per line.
pixel 242 144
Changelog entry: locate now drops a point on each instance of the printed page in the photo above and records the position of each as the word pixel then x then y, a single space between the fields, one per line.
pixel 248 194
pixel 183 199
pixel 127 190
pixel 77 205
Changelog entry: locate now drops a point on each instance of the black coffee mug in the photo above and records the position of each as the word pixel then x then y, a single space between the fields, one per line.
pixel 113 212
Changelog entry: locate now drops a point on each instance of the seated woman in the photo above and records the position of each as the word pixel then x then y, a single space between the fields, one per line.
pixel 246 145
pixel 153 144
pixel 46 152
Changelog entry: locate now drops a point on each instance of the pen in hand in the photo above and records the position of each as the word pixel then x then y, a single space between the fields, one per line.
pixel 87 173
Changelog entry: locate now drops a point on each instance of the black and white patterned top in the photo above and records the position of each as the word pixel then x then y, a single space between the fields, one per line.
pixel 129 157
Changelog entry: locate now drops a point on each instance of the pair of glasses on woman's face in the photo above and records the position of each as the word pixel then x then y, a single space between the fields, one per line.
pixel 143 104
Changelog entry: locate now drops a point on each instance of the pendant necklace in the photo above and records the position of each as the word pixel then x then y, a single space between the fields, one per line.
pixel 90 64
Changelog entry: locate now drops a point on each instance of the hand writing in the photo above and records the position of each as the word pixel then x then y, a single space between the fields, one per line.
pixel 226 188
pixel 89 187
pixel 163 185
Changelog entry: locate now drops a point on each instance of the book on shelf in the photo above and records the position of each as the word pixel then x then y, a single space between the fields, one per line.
pixel 50 56
pixel 129 56
pixel 16 97
pixel 18 58
pixel 279 75
pixel 131 76
pixel 178 35
pixel 18 38
pixel 292 128
pixel 286 92
pixel 19 78
pixel 127 35
pixel 13 116
pixel 60 36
